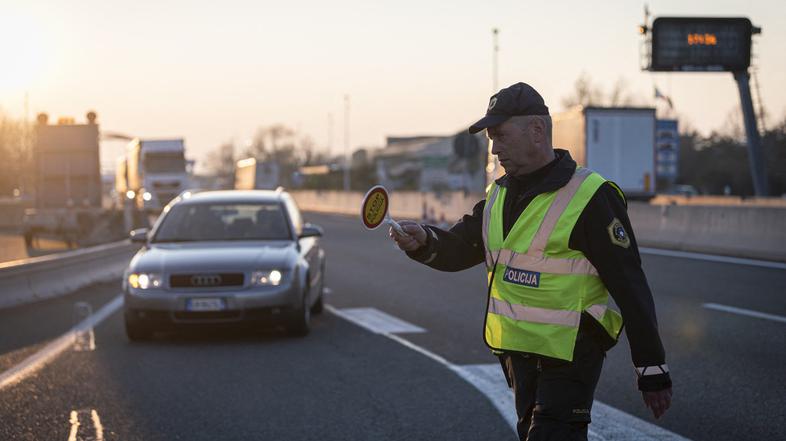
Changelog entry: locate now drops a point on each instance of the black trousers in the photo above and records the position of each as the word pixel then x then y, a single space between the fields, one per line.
pixel 554 397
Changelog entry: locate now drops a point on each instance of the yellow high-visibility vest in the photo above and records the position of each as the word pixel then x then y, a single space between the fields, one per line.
pixel 538 285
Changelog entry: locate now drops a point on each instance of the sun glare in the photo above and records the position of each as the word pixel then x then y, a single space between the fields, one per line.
pixel 23 52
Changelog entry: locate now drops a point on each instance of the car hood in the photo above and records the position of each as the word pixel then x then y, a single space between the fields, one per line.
pixel 214 257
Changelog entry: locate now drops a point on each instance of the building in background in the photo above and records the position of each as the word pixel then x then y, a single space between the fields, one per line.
pixel 433 163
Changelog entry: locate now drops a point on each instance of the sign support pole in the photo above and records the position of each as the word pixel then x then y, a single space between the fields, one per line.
pixel 755 153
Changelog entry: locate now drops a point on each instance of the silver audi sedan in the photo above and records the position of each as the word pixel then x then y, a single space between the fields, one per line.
pixel 225 257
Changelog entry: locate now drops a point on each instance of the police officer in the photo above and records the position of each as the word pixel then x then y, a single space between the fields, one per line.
pixel 556 241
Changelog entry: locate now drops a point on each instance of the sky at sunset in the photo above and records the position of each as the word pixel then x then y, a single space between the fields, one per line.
pixel 215 71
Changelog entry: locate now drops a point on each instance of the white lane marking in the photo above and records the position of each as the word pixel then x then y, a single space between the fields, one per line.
pixel 54 348
pixel 488 379
pixel 97 425
pixel 748 312
pixel 327 291
pixel 74 420
pixel 379 322
pixel 713 258
pixel 608 424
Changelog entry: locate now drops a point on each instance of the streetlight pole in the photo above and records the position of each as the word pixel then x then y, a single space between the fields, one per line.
pixel 329 134
pixel 495 69
pixel 346 143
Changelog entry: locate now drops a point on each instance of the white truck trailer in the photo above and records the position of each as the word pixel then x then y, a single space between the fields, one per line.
pixel 253 175
pixel 156 172
pixel 617 142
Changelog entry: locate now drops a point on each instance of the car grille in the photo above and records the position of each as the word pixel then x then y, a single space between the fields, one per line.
pixel 207 315
pixel 205 280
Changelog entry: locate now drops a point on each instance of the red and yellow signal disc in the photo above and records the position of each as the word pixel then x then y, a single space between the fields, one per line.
pixel 375 207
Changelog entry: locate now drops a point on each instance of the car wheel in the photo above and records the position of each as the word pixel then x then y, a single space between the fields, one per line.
pixel 136 331
pixel 300 324
pixel 319 305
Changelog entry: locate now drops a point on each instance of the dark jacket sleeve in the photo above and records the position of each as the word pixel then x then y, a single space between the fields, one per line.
pixel 619 266
pixel 456 249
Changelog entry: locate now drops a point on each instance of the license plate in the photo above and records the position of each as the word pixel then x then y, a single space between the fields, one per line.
pixel 205 304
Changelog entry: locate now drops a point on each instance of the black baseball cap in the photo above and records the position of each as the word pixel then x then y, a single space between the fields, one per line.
pixel 516 100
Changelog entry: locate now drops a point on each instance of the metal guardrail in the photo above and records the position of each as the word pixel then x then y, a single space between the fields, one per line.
pixel 29 280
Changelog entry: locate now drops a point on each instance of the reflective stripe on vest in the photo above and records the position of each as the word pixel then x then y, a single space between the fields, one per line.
pixel 486 216
pixel 542 286
pixel 535 315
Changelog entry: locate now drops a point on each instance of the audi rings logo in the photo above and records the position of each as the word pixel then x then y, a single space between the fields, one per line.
pixel 205 280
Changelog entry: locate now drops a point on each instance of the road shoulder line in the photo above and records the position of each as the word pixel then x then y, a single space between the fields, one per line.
pixel 713 258
pixel 745 312
pixel 33 363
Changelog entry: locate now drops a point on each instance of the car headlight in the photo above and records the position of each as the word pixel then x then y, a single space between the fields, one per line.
pixel 147 196
pixel 144 280
pixel 266 278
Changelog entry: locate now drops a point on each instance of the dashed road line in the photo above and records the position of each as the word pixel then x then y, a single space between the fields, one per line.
pixel 97 425
pixel 746 312
pixel 74 420
pixel 379 322
pixel 73 434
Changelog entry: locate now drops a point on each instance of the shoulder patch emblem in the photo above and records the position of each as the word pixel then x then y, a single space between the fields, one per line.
pixel 492 102
pixel 617 234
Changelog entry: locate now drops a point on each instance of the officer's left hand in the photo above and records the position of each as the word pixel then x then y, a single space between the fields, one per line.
pixel 658 401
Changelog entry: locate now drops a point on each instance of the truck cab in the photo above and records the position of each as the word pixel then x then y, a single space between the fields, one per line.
pixel 156 172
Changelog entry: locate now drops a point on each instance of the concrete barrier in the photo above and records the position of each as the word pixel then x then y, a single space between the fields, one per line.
pixel 667 199
pixel 755 232
pixel 29 280
pixel 740 231
pixel 448 207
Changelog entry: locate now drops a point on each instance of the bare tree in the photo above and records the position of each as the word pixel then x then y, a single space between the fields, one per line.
pixel 620 96
pixel 15 141
pixel 283 146
pixel 221 164
pixel 584 93
pixel 732 126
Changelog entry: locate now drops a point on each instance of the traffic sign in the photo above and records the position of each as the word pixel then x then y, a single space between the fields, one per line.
pixel 701 44
pixel 374 210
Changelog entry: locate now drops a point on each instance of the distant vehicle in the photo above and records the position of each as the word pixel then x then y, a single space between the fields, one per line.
pixel 253 175
pixel 617 142
pixel 684 190
pixel 67 182
pixel 155 172
pixel 225 257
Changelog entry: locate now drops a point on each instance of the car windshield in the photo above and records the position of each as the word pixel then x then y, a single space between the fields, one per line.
pixel 165 163
pixel 205 222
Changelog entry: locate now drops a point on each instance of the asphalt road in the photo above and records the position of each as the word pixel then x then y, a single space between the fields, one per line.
pixel 727 369
pixel 343 382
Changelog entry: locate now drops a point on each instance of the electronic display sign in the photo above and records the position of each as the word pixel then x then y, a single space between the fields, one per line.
pixel 701 44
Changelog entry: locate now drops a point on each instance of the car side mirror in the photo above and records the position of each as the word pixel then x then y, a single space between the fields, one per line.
pixel 139 235
pixel 311 230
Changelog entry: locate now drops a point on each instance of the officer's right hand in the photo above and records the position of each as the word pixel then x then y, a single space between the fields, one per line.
pixel 658 401
pixel 416 236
